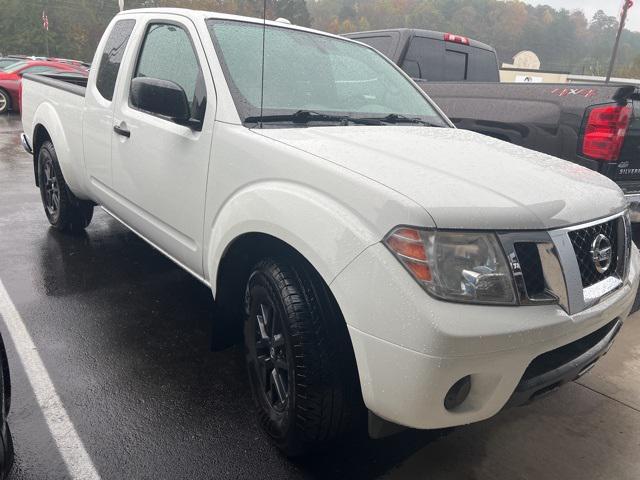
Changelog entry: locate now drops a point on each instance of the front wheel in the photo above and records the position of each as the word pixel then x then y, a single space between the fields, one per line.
pixel 64 211
pixel 300 361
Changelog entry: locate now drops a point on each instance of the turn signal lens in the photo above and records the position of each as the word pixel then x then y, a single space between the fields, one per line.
pixel 420 270
pixel 408 234
pixel 409 247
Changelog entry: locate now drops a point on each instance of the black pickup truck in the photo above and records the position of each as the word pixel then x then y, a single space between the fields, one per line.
pixel 594 125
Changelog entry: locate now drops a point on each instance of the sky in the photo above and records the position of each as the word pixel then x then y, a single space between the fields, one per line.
pixel 589 7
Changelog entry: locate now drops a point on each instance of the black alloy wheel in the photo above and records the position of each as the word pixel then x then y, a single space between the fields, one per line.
pixel 299 357
pixel 51 197
pixel 267 355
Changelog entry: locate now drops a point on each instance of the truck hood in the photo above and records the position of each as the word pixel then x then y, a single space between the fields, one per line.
pixel 464 179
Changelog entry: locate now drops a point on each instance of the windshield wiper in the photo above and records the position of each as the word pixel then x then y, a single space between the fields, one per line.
pixel 306 116
pixel 399 118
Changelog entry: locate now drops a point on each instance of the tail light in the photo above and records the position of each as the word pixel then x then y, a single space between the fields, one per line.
pixel 450 37
pixel 604 132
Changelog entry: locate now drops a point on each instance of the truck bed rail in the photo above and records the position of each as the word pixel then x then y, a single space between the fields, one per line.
pixel 76 84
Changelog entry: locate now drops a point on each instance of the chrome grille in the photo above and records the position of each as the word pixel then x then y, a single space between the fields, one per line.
pixel 557 266
pixel 582 241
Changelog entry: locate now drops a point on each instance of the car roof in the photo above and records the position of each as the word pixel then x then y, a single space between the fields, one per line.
pixel 202 15
pixel 32 63
pixel 57 65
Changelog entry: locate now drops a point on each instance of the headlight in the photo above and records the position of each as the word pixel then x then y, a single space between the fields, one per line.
pixel 457 266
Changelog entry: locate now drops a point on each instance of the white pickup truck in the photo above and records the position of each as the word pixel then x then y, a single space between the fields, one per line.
pixel 369 253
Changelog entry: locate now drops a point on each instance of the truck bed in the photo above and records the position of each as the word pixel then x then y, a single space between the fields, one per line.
pixel 544 117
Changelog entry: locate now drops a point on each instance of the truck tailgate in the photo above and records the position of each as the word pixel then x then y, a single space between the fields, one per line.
pixel 627 174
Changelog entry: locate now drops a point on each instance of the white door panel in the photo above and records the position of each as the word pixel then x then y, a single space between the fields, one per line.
pixel 160 170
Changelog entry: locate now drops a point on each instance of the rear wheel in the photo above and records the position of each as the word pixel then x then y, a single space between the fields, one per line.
pixel 5 101
pixel 299 358
pixel 64 211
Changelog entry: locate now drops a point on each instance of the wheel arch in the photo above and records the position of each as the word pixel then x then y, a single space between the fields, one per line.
pixel 40 135
pixel 67 141
pixel 243 252
pixel 240 256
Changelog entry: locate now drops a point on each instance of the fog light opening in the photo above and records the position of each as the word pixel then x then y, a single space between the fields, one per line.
pixel 458 393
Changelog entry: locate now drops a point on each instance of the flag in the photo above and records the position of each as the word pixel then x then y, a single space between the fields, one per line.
pixel 45 21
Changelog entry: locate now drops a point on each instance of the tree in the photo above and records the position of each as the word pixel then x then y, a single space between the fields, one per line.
pixel 562 39
pixel 293 10
pixel 601 22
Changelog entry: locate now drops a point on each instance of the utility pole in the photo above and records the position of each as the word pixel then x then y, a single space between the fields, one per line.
pixel 623 19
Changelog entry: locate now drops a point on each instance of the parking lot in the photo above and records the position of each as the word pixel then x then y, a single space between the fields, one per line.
pixel 124 337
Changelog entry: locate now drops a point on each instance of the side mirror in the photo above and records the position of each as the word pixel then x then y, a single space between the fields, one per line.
pixel 165 98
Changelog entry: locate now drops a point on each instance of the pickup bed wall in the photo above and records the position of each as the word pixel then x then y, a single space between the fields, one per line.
pixel 38 102
pixel 544 117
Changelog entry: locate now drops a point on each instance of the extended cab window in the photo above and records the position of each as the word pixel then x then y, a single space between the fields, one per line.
pixel 168 54
pixel 112 57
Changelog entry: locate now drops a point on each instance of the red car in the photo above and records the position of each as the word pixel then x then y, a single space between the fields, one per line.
pixel 11 79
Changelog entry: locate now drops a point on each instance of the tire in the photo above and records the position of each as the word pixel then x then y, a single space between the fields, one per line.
pixel 6 377
pixel 5 101
pixel 636 304
pixel 64 211
pixel 294 328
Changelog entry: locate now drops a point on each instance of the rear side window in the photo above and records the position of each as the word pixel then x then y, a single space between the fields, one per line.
pixel 455 66
pixel 112 57
pixel 168 54
pixel 439 61
pixel 425 59
pixel 483 66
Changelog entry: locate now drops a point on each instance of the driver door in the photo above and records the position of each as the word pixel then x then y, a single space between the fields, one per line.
pixel 160 167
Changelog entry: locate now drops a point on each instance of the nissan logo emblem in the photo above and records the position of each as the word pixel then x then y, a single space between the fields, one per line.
pixel 601 253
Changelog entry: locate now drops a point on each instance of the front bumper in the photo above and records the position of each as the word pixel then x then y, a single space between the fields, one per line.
pixel 634 206
pixel 551 370
pixel 411 349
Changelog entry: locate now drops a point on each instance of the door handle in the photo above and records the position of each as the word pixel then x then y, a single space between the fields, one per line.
pixel 124 131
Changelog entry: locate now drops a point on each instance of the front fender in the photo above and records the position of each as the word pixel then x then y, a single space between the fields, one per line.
pixel 328 234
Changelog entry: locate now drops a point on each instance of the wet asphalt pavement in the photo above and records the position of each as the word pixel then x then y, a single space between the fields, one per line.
pixel 124 336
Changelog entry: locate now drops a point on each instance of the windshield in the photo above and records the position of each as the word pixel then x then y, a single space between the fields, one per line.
pixel 15 67
pixel 305 71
